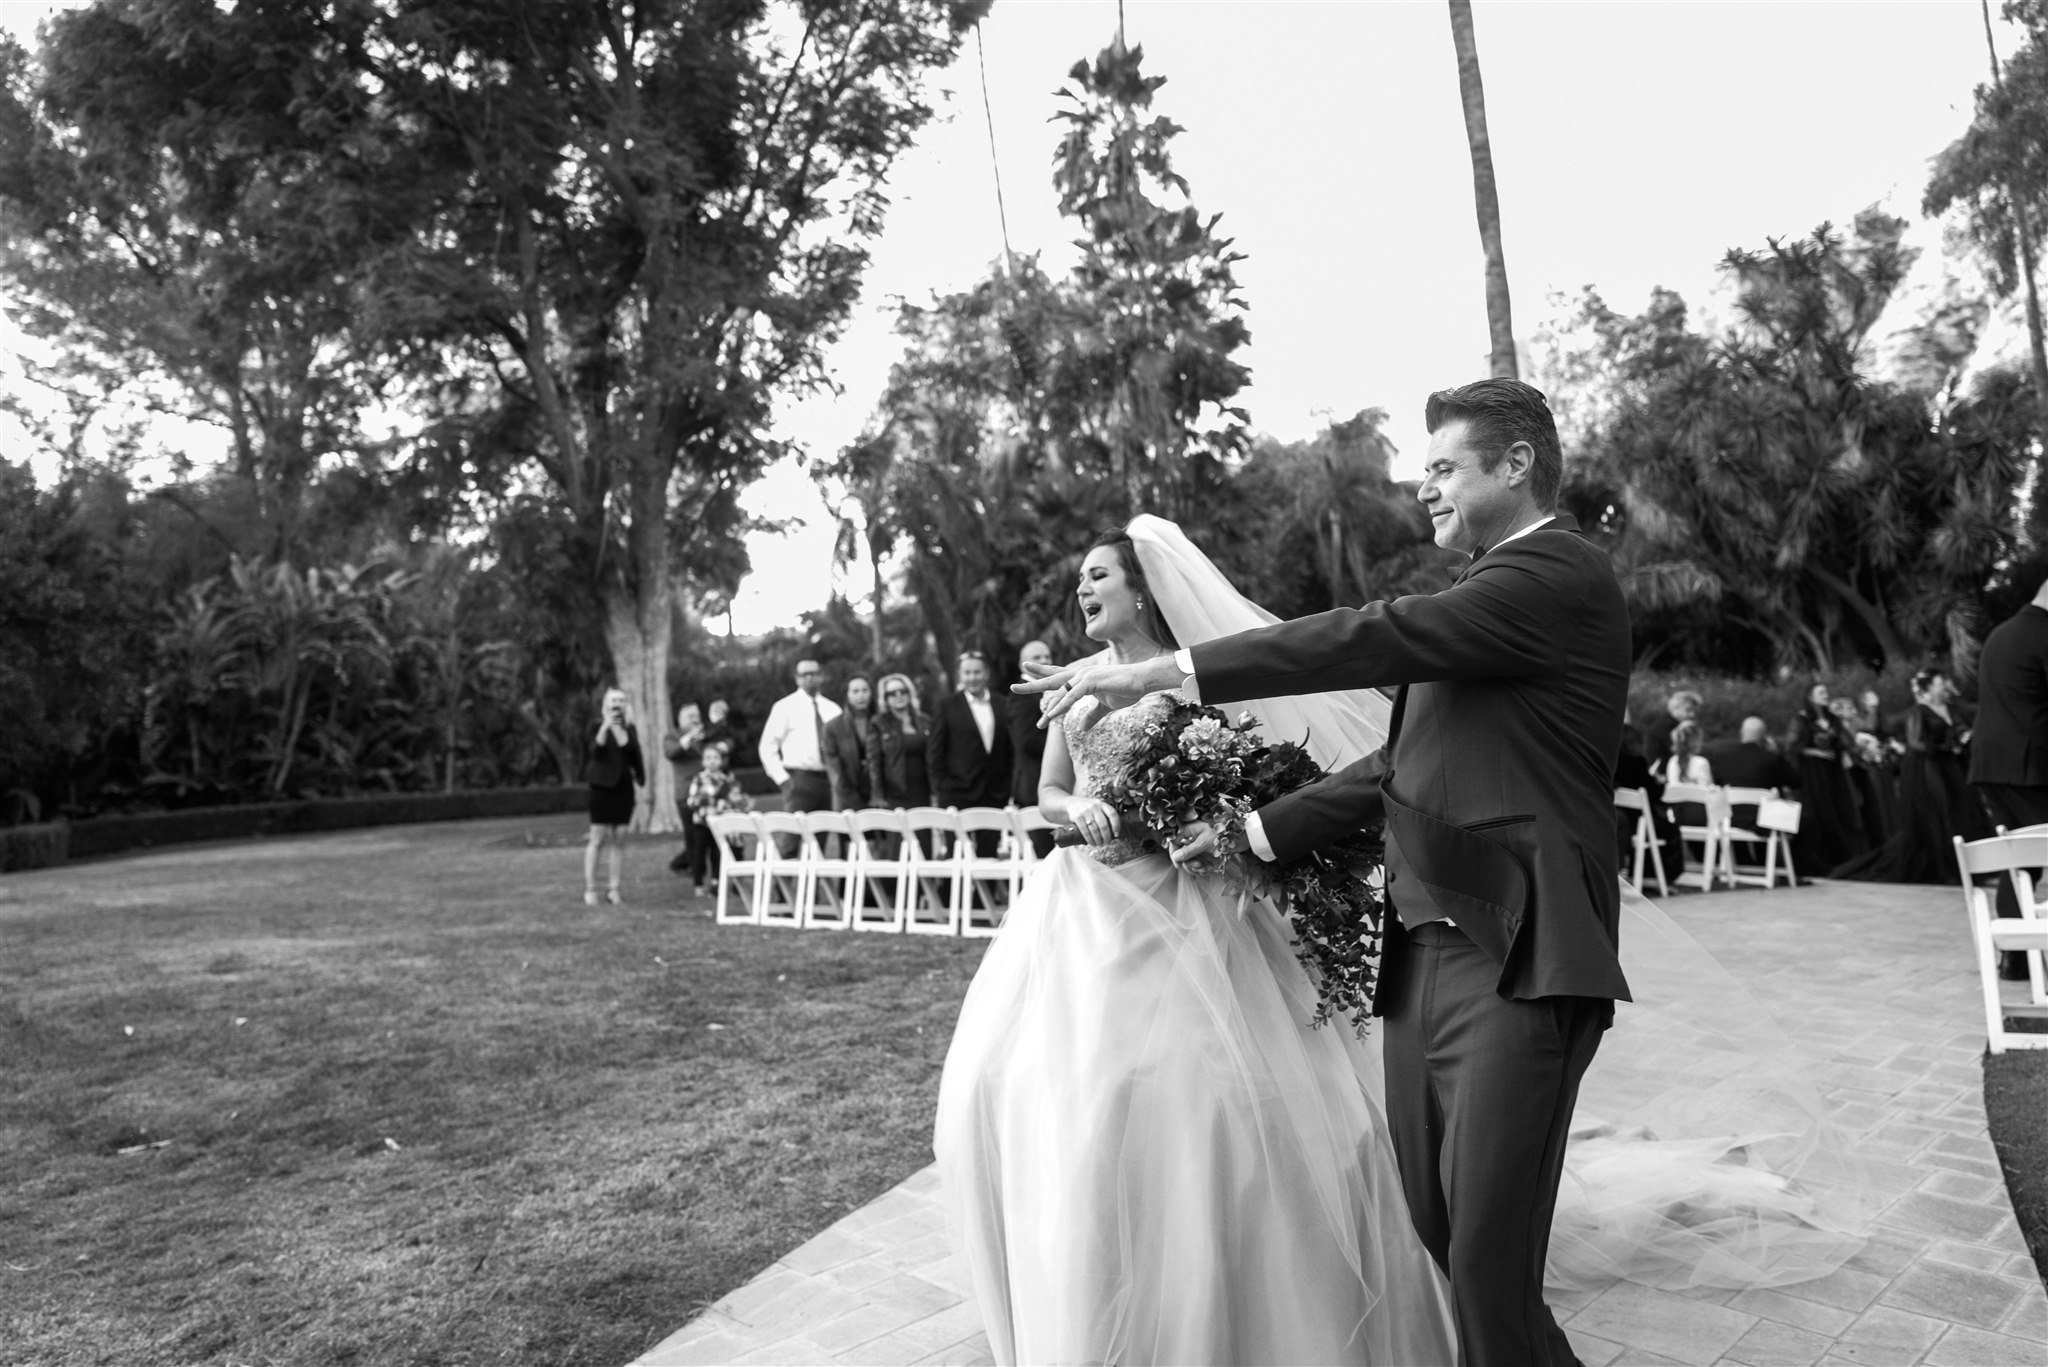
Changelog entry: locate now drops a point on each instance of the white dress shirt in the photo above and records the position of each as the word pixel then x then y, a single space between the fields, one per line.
pixel 791 740
pixel 1184 661
pixel 984 719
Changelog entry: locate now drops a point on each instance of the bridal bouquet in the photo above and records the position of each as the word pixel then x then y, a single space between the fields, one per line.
pixel 1195 765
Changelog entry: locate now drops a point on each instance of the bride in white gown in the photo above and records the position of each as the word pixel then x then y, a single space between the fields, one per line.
pixel 1146 1154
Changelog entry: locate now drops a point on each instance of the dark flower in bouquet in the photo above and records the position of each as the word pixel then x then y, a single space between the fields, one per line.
pixel 1195 765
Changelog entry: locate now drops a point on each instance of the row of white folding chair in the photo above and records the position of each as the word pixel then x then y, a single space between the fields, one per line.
pixel 1718 836
pixel 914 870
pixel 2016 855
pixel 1643 843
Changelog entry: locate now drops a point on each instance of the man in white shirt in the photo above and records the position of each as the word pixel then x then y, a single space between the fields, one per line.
pixel 792 743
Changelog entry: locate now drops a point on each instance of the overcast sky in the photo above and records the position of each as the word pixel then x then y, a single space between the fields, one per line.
pixel 1634 144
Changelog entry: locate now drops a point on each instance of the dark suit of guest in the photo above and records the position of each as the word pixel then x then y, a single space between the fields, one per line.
pixel 1497 786
pixel 1633 770
pixel 845 742
pixel 2009 744
pixel 1027 757
pixel 965 771
pixel 896 763
pixel 1750 764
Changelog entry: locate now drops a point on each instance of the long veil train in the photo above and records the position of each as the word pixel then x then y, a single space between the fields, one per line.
pixel 1702 1151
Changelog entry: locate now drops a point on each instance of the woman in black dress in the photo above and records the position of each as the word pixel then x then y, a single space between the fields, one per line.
pixel 614 770
pixel 1830 823
pixel 1935 800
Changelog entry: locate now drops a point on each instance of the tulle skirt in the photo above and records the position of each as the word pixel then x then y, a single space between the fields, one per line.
pixel 1147 1156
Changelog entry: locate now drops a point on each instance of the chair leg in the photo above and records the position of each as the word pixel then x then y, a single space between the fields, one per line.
pixel 1987 973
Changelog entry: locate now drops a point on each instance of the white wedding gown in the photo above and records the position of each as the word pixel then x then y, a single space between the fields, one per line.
pixel 1146 1154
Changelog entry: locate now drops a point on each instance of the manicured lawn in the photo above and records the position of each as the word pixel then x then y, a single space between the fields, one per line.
pixel 416 1104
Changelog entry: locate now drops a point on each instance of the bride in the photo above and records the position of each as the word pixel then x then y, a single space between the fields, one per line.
pixel 1146 1155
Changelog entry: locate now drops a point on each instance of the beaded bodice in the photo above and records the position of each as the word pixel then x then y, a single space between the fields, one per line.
pixel 1102 755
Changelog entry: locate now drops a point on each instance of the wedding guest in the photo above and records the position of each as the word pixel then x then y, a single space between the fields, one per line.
pixel 1870 770
pixel 1751 762
pixel 846 746
pixel 1681 707
pixel 1686 764
pixel 896 773
pixel 1632 770
pixel 2009 745
pixel 1027 743
pixel 713 790
pixel 681 750
pixel 1830 825
pixel 793 742
pixel 1935 800
pixel 721 728
pixel 615 768
pixel 967 752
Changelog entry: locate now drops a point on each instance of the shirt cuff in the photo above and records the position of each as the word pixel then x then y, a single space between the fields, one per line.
pixel 1255 836
pixel 1184 661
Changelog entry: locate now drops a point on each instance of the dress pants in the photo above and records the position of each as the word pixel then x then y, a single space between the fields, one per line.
pixel 1480 1092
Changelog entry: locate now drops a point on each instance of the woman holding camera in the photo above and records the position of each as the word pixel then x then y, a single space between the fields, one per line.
pixel 615 768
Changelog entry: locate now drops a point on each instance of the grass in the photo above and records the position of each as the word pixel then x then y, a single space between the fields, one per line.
pixel 416 1104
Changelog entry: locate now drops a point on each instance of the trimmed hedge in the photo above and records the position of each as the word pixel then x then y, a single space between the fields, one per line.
pixel 29 847
pixel 33 847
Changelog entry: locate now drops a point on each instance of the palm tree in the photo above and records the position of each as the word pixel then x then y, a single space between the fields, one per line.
pixel 1499 321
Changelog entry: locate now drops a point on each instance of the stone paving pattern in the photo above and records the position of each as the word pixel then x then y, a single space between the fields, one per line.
pixel 1876 980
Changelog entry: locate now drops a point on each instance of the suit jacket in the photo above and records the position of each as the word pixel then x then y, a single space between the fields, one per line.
pixel 964 772
pixel 845 745
pixel 2010 742
pixel 1497 779
pixel 1745 764
pixel 1027 751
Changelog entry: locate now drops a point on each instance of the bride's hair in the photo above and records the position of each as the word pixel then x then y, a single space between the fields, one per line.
pixel 1150 619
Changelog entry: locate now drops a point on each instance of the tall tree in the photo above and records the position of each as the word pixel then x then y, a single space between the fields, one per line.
pixel 182 214
pixel 1998 171
pixel 1500 325
pixel 649 222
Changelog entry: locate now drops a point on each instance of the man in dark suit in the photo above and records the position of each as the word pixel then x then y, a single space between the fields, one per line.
pixel 1751 763
pixel 2009 744
pixel 967 750
pixel 1496 784
pixel 1027 745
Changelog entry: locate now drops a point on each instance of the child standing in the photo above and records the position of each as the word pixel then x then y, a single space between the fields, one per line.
pixel 712 791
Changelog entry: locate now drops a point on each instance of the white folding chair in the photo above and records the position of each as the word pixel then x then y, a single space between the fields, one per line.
pixel 880 838
pixel 1777 821
pixel 2024 888
pixel 931 873
pixel 2015 856
pixel 1705 834
pixel 1029 821
pixel 740 861
pixel 827 893
pixel 986 881
pixel 1644 842
pixel 783 875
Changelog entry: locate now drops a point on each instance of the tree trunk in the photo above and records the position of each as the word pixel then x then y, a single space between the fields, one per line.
pixel 2037 511
pixel 1499 320
pixel 1880 626
pixel 639 622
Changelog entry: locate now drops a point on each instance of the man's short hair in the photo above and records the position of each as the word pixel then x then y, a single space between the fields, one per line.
pixel 967 655
pixel 1753 730
pixel 1500 412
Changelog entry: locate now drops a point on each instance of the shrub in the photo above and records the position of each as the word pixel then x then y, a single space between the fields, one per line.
pixel 33 847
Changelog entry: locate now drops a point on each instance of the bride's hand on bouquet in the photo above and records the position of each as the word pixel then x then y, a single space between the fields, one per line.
pixel 1097 822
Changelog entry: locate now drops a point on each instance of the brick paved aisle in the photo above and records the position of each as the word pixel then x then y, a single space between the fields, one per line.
pixel 1875 979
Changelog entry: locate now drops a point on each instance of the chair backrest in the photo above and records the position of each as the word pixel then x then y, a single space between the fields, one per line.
pixel 2039 828
pixel 732 830
pixel 931 819
pixel 1748 797
pixel 825 823
pixel 1031 819
pixel 870 822
pixel 985 819
pixel 2001 854
pixel 781 823
pixel 1632 799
